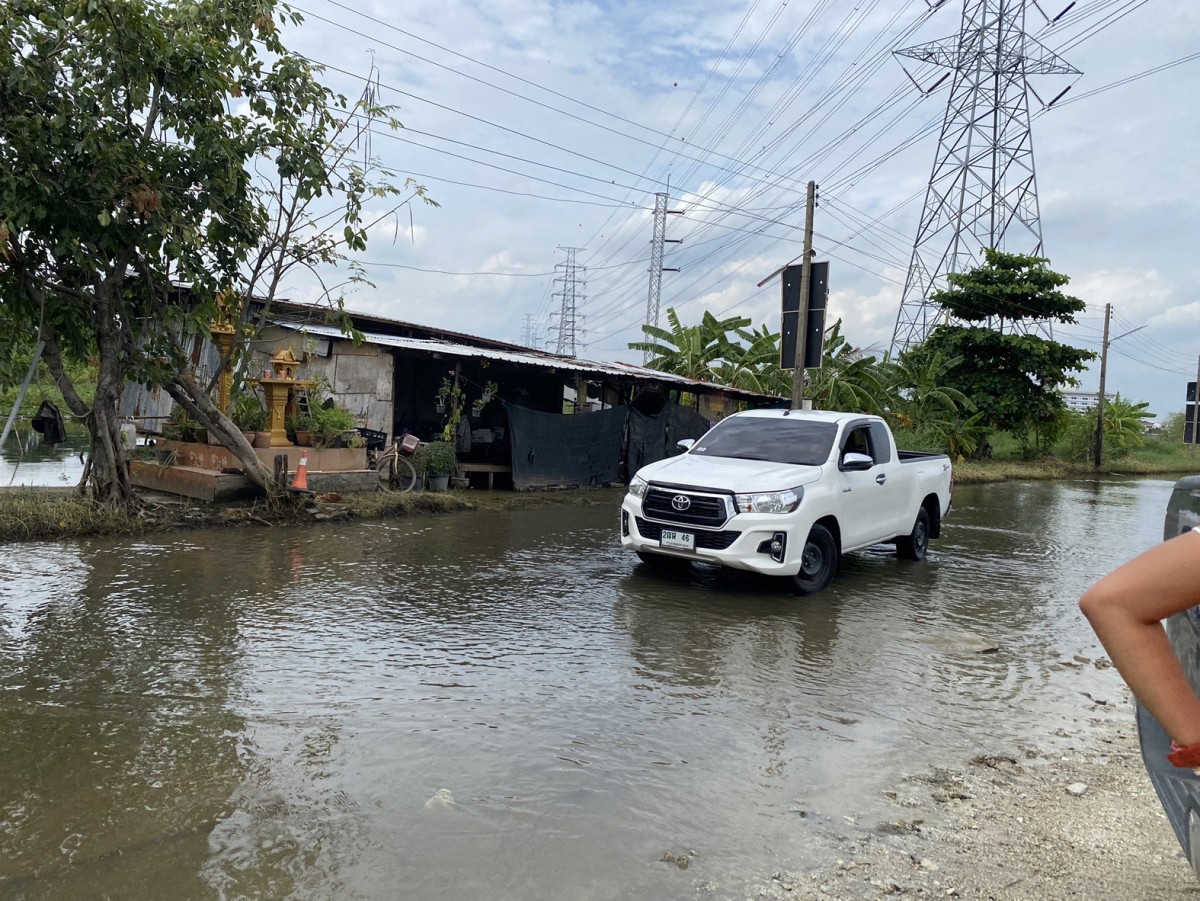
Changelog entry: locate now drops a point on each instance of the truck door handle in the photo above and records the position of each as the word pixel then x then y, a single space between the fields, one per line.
pixel 880 479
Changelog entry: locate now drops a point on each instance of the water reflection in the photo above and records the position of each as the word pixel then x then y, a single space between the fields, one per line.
pixel 507 704
pixel 119 747
pixel 25 460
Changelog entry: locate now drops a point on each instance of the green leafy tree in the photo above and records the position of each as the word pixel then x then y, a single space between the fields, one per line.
pixel 1123 430
pixel 1009 373
pixel 1173 426
pixel 148 144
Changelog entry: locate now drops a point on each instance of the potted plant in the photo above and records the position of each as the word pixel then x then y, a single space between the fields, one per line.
pixel 419 459
pixel 443 394
pixel 455 401
pixel 440 463
pixel 297 427
pixel 181 427
pixel 329 424
pixel 248 415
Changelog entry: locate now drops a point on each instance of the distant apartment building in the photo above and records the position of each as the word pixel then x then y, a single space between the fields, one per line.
pixel 1082 401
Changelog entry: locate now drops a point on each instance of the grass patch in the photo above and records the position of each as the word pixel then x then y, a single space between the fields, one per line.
pixel 43 387
pixel 38 514
pixel 1154 458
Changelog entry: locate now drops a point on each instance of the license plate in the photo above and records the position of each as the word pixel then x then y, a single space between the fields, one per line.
pixel 682 541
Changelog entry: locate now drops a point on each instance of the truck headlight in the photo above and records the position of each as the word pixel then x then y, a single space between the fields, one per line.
pixel 770 501
pixel 638 486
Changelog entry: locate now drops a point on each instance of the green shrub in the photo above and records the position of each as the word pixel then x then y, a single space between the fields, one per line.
pixel 327 423
pixel 180 426
pixel 440 458
pixel 248 414
pixel 420 458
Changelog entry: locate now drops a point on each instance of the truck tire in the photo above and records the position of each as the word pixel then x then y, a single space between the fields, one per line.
pixel 818 562
pixel 915 545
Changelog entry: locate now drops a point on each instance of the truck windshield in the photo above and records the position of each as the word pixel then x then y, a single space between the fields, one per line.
pixel 799 441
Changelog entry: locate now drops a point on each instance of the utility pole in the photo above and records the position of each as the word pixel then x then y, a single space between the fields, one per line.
pixel 1195 410
pixel 805 281
pixel 1103 367
pixel 1100 399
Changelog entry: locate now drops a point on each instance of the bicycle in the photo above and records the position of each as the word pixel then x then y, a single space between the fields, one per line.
pixel 396 473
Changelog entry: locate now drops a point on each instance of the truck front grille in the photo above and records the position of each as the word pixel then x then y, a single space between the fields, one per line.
pixel 705 510
pixel 710 541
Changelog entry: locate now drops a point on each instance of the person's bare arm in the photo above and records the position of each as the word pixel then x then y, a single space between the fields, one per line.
pixel 1126 609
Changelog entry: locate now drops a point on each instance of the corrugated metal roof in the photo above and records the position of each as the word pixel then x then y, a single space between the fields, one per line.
pixel 283 309
pixel 532 358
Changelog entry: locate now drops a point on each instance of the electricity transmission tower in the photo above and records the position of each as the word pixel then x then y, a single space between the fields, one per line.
pixel 656 261
pixel 531 330
pixel 983 188
pixel 573 283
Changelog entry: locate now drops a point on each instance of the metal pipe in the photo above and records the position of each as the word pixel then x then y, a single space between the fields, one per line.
pixel 12 417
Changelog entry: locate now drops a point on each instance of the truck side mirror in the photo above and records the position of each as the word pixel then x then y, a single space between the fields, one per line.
pixel 856 462
pixel 685 443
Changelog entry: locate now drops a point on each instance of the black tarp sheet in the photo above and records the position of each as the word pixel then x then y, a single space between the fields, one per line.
pixel 565 450
pixel 653 438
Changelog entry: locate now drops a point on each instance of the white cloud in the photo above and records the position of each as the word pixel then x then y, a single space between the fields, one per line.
pixel 601 105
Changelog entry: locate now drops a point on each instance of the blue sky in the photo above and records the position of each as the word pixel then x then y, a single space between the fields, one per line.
pixel 540 125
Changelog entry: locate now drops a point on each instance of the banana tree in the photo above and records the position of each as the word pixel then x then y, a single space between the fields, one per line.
pixel 688 350
pixel 849 379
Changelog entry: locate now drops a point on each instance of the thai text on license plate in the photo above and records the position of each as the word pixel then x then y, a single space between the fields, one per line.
pixel 683 541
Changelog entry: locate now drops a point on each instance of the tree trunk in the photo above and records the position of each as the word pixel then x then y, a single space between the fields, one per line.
pixel 106 473
pixel 200 407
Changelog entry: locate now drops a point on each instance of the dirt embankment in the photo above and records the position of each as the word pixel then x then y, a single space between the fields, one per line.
pixel 1085 824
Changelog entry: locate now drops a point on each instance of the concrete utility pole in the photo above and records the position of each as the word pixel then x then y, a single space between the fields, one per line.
pixel 805 280
pixel 1100 399
pixel 1103 367
pixel 1195 410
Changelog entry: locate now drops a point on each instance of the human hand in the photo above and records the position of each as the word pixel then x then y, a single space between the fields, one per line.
pixel 1186 756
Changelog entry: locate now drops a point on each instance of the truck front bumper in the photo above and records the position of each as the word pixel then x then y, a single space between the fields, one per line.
pixel 765 543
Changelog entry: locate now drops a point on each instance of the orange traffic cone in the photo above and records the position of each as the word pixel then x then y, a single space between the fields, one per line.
pixel 300 481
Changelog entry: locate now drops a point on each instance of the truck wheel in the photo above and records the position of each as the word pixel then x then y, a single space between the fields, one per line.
pixel 663 561
pixel 915 545
pixel 818 561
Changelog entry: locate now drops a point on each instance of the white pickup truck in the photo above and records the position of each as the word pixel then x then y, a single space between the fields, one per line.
pixel 785 493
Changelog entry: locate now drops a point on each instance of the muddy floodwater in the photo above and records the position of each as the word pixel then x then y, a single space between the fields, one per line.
pixel 507 706
pixel 26 461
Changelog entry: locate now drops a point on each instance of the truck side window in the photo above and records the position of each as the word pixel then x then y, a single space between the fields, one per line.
pixel 858 442
pixel 879 442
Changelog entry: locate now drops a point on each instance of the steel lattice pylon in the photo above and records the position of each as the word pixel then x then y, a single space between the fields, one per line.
pixel 656 264
pixel 983 188
pixel 573 282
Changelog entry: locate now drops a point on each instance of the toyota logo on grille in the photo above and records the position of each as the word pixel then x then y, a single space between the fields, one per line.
pixel 681 502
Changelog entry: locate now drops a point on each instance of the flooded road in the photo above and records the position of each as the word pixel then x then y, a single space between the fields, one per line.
pixel 26 460
pixel 506 705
